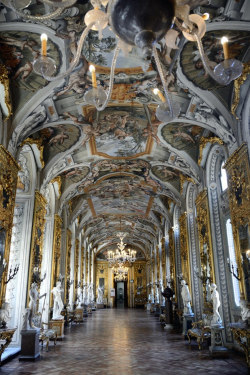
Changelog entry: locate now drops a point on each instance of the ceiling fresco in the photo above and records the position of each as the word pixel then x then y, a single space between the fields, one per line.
pixel 121 169
pixel 57 139
pixel 184 136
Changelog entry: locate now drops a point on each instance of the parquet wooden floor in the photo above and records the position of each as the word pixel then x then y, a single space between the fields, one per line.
pixel 125 342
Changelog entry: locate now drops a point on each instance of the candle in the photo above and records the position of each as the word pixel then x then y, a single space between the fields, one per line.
pixel 92 71
pixel 159 93
pixel 44 39
pixel 228 260
pixel 205 16
pixel 224 42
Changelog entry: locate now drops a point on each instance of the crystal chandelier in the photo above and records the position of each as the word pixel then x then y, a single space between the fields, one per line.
pixel 121 255
pixel 120 273
pixel 135 23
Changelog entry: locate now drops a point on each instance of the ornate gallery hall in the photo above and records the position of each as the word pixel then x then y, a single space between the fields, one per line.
pixel 124 186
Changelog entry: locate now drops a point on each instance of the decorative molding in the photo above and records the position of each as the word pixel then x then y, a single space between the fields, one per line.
pixel 237 86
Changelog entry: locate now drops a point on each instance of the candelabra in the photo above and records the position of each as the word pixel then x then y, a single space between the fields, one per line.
pixel 234 270
pixel 12 273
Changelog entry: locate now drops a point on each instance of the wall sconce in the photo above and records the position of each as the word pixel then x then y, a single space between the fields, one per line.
pixel 12 273
pixel 233 270
pixel 248 255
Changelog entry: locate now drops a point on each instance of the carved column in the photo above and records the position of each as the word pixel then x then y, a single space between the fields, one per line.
pixel 8 182
pixel 193 252
pixel 67 265
pixel 163 261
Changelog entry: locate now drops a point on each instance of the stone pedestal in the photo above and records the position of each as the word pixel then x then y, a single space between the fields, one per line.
pixel 168 312
pixel 29 345
pixel 217 347
pixel 78 316
pixel 187 321
pixel 58 326
pixel 100 305
pixel 157 311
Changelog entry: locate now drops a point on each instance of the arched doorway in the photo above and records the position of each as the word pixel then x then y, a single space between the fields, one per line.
pixel 121 294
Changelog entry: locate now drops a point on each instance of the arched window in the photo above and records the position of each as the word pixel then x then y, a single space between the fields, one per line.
pixel 223 177
pixel 231 260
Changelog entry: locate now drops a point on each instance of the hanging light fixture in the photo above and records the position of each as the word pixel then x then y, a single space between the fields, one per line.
pixel 140 23
pixel 121 255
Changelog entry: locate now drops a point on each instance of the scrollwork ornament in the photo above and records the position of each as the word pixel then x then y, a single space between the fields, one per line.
pixel 237 86
pixel 203 142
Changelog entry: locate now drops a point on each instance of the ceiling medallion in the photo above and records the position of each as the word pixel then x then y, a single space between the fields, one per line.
pixel 135 23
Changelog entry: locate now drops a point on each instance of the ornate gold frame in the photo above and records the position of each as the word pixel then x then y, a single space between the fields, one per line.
pixel 76 268
pixel 163 261
pixel 36 249
pixel 184 250
pixel 67 264
pixel 8 183
pixel 4 81
pixel 172 261
pixel 204 232
pixel 56 253
pixel 238 174
pixel 102 272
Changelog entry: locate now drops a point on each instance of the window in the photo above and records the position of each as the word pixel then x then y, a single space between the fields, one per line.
pixel 223 177
pixel 232 262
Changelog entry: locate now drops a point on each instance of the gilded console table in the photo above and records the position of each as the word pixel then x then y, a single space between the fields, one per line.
pixel 5 335
pixel 242 336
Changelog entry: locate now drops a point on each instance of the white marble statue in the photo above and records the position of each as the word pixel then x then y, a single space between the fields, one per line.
pixel 26 323
pixel 216 320
pixel 58 303
pixel 157 299
pixel 186 298
pixel 90 293
pixel 100 295
pixel 85 294
pixel 245 311
pixel 33 303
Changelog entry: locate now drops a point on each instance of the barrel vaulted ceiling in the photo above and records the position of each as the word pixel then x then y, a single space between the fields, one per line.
pixel 120 169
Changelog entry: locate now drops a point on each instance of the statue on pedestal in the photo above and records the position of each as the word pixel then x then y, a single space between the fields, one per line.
pixel 100 295
pixel 33 303
pixel 216 320
pixel 58 303
pixel 186 298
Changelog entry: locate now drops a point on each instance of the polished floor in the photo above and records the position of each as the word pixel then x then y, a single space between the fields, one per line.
pixel 125 342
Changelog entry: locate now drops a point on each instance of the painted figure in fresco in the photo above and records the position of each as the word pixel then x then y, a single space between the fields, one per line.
pixel 78 80
pixel 58 303
pixel 88 129
pixel 184 136
pixel 58 139
pixel 186 298
pixel 216 320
